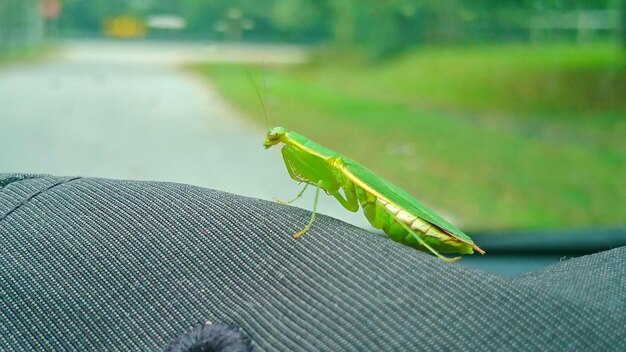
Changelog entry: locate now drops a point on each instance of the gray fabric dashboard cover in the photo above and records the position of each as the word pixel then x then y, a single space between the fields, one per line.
pixel 102 265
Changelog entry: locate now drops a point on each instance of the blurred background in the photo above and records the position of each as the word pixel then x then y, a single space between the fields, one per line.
pixel 506 117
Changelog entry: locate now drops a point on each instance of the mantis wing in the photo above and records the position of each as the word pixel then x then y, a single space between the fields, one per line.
pixel 402 199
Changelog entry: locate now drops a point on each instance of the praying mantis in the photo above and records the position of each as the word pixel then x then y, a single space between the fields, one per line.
pixel 387 207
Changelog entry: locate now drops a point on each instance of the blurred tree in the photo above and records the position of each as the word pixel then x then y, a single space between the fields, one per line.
pixel 21 25
pixel 381 27
pixel 87 16
pixel 343 19
pixel 622 10
pixel 297 18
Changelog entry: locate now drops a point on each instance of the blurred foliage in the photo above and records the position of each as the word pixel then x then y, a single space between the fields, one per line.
pixel 21 27
pixel 381 28
pixel 502 136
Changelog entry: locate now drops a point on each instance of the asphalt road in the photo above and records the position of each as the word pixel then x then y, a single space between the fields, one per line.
pixel 126 110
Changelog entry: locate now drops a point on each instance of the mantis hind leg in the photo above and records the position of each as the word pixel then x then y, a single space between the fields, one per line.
pixel 423 243
pixel 313 216
pixel 293 200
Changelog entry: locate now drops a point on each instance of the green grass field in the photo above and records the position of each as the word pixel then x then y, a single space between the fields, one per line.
pixel 492 137
pixel 24 54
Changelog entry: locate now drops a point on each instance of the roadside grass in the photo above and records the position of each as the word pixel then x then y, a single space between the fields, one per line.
pixel 492 137
pixel 16 55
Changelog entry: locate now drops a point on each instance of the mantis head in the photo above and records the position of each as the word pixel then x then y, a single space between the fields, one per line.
pixel 274 136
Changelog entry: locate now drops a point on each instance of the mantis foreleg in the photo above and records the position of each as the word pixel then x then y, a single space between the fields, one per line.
pixel 313 216
pixel 293 200
pixel 351 201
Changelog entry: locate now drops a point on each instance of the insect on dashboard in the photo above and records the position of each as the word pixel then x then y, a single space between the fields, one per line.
pixel 387 207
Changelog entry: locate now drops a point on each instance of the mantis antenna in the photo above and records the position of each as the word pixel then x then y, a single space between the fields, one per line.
pixel 258 94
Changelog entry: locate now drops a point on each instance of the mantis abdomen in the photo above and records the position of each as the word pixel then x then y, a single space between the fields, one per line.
pixel 396 222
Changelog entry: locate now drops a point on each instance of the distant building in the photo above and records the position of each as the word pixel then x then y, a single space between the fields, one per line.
pixel 583 24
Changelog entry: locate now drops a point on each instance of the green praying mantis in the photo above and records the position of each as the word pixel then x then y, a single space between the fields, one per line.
pixel 387 207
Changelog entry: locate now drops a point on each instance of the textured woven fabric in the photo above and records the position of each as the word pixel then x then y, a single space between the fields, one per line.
pixel 101 265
